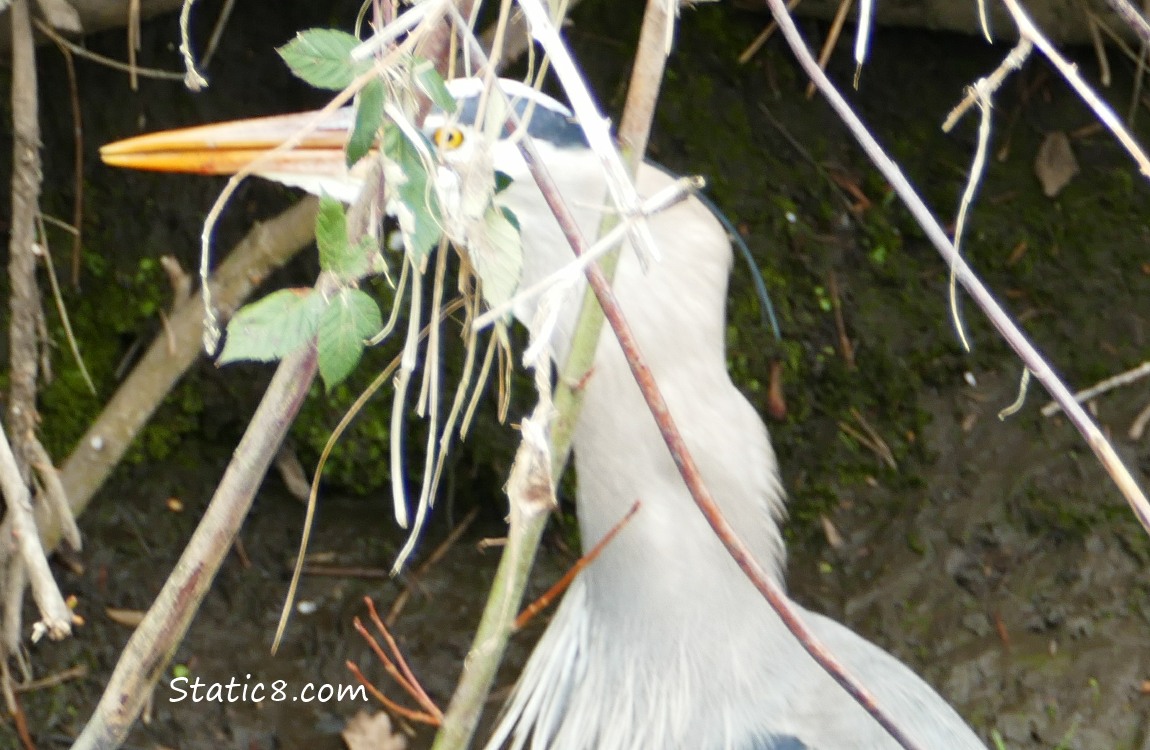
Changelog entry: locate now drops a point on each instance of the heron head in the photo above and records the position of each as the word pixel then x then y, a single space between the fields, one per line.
pixel 474 133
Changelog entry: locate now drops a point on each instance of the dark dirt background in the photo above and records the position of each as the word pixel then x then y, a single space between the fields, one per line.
pixel 996 558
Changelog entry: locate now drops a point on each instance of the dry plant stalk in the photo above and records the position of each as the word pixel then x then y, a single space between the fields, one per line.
pixel 22 558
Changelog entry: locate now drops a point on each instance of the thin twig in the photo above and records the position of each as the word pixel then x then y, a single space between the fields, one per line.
pixel 15 710
pixel 845 195
pixel 764 35
pixel 23 297
pixel 1138 426
pixel 133 42
pixel 1109 384
pixel 1133 17
pixel 992 82
pixel 848 350
pixel 57 678
pixel 77 162
pixel 564 582
pixel 862 36
pixel 347 571
pixel 54 496
pixel 982 89
pixel 416 716
pixel 409 677
pixel 1099 46
pixel 881 448
pixel 436 555
pixel 596 128
pixel 1023 386
pixel 393 672
pixel 217 33
pixel 470 349
pixel 75 49
pixel 62 311
pixel 832 38
pixel 55 617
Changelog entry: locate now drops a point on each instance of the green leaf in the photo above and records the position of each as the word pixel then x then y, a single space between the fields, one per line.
pixel 350 317
pixel 498 256
pixel 417 208
pixel 322 57
pixel 337 254
pixel 502 182
pixel 331 235
pixel 368 119
pixel 273 327
pixel 431 83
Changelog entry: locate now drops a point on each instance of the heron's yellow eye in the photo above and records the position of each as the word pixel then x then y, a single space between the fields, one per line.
pixel 448 138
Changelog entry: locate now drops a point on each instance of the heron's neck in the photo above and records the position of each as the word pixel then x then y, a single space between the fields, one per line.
pixel 621 456
pixel 676 311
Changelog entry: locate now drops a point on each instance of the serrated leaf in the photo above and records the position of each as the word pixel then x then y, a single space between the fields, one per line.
pixel 350 317
pixel 368 119
pixel 322 58
pixel 432 84
pixel 498 255
pixel 414 203
pixel 337 254
pixel 331 234
pixel 273 327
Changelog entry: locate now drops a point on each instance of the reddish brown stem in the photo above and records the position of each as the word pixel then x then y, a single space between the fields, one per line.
pixel 561 585
pixel 388 703
pixel 414 686
pixel 384 659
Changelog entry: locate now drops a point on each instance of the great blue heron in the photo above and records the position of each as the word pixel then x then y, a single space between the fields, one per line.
pixel 662 642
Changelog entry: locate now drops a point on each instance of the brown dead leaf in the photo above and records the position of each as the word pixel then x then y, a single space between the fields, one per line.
pixel 291 470
pixel 1055 164
pixel 834 538
pixel 126 617
pixel 366 731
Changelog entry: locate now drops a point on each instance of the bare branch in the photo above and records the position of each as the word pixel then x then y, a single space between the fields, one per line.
pixel 147 653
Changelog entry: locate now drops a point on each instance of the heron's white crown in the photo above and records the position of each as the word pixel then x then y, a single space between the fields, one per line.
pixel 546 119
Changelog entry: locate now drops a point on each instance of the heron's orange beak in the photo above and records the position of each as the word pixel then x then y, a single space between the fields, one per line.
pixel 225 148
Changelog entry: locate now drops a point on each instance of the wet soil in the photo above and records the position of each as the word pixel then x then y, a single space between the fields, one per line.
pixel 993 556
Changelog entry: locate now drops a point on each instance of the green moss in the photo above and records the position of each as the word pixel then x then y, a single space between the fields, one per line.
pixel 114 319
pixel 360 460
pixel 1060 515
